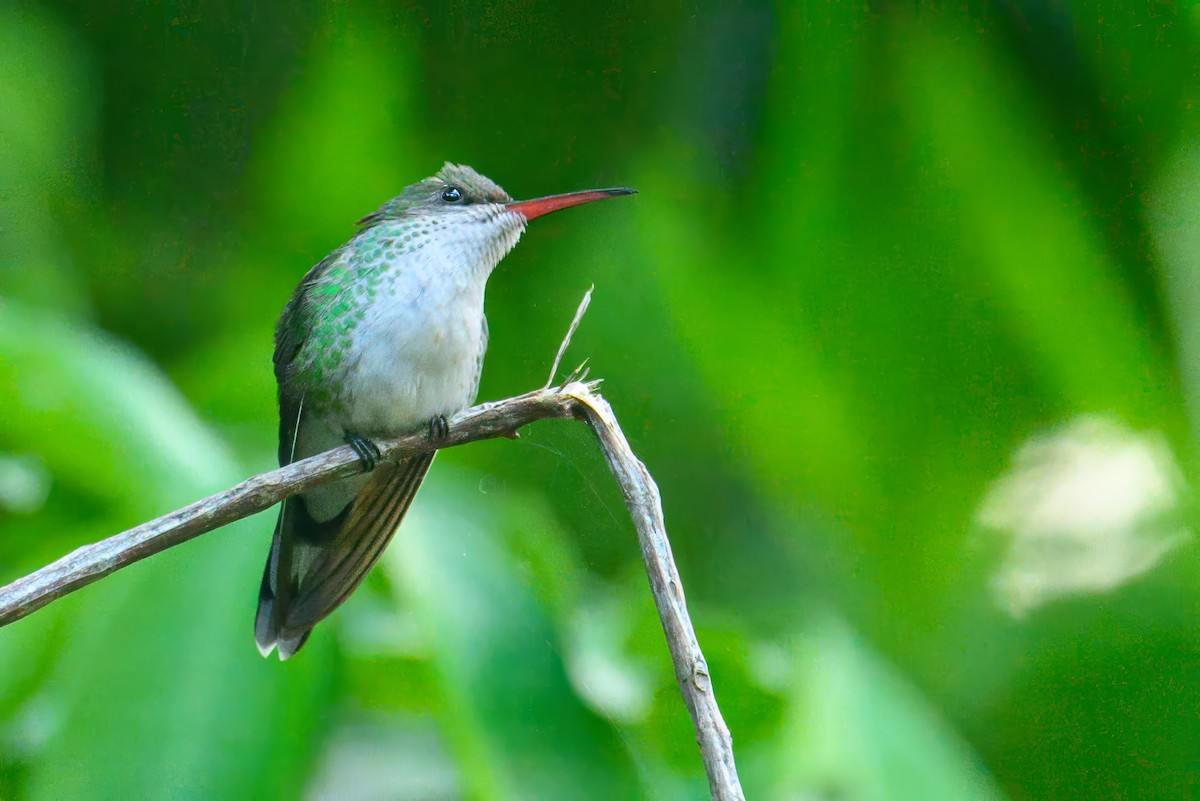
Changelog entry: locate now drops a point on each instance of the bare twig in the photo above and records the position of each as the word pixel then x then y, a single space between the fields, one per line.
pixel 93 562
pixel 562 349
pixel 691 671
pixel 502 418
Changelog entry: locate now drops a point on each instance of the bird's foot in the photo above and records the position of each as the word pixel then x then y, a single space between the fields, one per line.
pixel 368 451
pixel 439 429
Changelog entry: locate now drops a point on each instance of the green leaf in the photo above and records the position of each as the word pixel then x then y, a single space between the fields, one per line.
pixel 856 729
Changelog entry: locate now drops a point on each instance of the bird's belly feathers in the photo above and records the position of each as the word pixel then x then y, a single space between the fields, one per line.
pixel 411 361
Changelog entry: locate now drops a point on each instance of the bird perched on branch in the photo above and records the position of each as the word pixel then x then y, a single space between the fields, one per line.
pixel 384 336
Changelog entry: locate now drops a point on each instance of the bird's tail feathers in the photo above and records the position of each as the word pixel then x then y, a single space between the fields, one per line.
pixel 314 567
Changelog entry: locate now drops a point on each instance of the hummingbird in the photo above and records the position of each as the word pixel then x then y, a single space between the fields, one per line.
pixel 384 336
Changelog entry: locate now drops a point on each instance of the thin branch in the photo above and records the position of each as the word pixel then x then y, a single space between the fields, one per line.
pixel 562 349
pixel 691 671
pixel 500 419
pixel 93 562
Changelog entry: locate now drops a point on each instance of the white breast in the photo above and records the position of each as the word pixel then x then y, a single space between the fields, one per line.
pixel 415 353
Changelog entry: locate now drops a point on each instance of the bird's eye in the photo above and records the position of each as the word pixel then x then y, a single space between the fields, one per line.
pixel 452 194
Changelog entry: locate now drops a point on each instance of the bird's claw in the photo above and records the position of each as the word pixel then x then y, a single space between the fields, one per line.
pixel 368 451
pixel 439 429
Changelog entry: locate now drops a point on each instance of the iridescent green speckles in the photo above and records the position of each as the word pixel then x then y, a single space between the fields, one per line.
pixel 336 301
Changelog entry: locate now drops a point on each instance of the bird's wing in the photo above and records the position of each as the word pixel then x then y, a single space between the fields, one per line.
pixel 297 321
pixel 356 539
pixel 299 537
pixel 294 530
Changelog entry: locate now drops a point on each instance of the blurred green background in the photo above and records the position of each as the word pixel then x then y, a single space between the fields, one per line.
pixel 904 321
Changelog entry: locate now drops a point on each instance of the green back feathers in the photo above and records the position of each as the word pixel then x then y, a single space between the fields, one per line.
pixel 314 331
